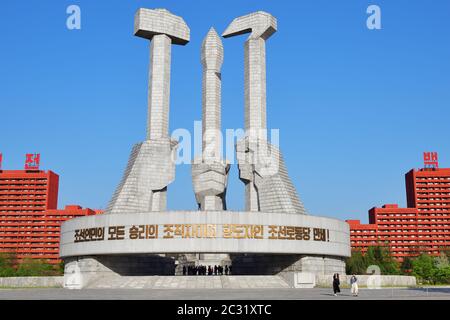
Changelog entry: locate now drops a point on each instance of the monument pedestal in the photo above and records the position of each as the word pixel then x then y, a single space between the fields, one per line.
pixel 277 264
pixel 82 270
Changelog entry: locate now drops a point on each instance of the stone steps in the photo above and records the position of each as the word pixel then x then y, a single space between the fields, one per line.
pixel 187 282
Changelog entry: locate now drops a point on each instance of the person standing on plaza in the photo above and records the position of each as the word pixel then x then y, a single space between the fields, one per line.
pixel 336 284
pixel 354 284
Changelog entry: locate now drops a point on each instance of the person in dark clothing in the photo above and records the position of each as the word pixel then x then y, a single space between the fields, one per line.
pixel 336 284
pixel 184 270
pixel 226 270
pixel 215 270
pixel 229 270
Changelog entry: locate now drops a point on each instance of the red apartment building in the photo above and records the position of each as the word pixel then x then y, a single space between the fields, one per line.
pixel 29 219
pixel 428 190
pixel 424 226
pixel 388 224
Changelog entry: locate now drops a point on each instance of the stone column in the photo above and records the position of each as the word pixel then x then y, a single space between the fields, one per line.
pixel 255 87
pixel 159 87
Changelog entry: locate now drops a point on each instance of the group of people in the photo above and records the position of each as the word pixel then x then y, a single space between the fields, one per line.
pixel 206 270
pixel 337 283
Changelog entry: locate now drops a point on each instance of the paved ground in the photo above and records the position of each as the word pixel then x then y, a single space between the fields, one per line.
pixel 221 294
pixel 189 282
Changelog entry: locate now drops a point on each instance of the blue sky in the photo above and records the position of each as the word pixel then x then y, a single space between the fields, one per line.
pixel 355 107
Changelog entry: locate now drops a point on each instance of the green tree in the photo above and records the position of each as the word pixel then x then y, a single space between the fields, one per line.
pixel 424 268
pixel 34 268
pixel 442 260
pixel 60 268
pixel 441 275
pixel 376 255
pixel 432 270
pixel 442 270
pixel 7 264
pixel 406 265
pixel 380 256
pixel 445 251
pixel 356 264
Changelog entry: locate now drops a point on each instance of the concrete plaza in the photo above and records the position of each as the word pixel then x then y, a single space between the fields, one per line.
pixel 435 293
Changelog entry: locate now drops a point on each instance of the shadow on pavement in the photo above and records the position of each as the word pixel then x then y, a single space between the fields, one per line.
pixel 339 295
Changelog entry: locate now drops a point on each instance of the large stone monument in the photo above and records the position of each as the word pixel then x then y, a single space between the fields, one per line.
pixel 151 167
pixel 138 236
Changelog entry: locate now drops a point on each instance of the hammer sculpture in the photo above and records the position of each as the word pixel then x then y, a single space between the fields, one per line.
pixel 151 166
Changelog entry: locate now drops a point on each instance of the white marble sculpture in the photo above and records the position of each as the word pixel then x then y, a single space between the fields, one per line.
pixel 151 166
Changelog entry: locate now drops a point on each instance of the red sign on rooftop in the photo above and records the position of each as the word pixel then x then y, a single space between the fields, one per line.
pixel 430 160
pixel 32 161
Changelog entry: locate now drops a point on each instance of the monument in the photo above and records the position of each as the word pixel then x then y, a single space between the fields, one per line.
pixel 150 167
pixel 138 236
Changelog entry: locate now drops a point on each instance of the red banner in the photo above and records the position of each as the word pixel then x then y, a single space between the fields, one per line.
pixel 430 160
pixel 32 161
